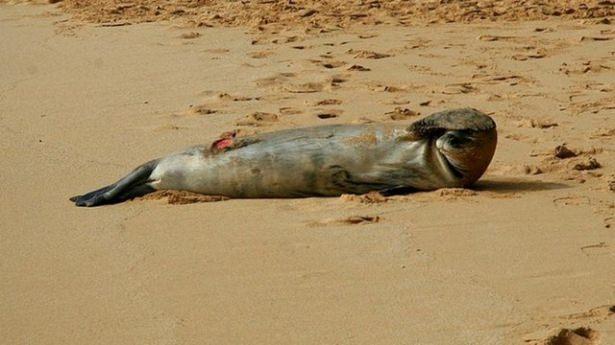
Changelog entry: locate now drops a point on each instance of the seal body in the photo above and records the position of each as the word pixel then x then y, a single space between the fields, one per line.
pixel 322 161
pixel 317 161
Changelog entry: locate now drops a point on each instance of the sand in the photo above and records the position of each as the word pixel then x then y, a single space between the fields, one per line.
pixel 527 256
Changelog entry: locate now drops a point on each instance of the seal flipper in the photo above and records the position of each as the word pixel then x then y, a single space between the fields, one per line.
pixel 130 186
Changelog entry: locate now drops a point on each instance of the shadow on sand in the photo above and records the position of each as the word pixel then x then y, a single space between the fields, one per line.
pixel 508 185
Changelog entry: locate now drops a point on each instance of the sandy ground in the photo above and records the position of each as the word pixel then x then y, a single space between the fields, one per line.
pixel 528 252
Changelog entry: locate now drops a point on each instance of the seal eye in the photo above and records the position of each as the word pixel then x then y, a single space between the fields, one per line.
pixel 458 141
pixel 453 140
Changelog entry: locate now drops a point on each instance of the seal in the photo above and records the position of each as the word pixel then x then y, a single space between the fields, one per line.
pixel 446 149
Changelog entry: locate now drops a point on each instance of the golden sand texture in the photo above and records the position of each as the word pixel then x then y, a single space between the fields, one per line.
pixel 523 257
pixel 329 14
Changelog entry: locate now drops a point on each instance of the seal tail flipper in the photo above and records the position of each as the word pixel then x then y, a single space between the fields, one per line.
pixel 130 186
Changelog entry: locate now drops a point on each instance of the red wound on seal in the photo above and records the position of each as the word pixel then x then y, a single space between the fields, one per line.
pixel 225 141
pixel 221 144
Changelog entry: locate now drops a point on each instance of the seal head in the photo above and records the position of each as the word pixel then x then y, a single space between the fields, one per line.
pixel 466 138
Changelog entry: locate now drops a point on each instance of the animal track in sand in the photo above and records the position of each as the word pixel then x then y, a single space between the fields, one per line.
pixel 401 114
pixel 329 113
pixel 510 80
pixel 536 54
pixel 580 331
pixel 201 110
pixel 216 50
pixel 257 119
pixel 536 123
pixel 493 38
pixel 328 64
pixel 592 106
pixel 260 54
pixel 290 111
pixel 573 200
pixel 168 127
pixel 358 68
pixel 584 67
pixel 367 54
pixel 578 336
pixel 289 82
pixel 352 220
pixel 227 97
pixel 190 35
pixel 222 97
pixel 458 88
pixel 278 79
pixel 603 133
pixel 329 101
pixel 567 163
pixel 596 38
pixel 386 88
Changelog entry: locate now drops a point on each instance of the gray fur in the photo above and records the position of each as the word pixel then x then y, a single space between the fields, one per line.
pixel 315 161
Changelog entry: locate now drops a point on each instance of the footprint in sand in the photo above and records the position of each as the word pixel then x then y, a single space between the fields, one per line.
pixel 386 88
pixel 584 67
pixel 290 111
pixel 358 68
pixel 329 101
pixel 202 109
pixel 227 97
pixel 310 84
pixel 328 84
pixel 352 220
pixel 329 114
pixel 216 50
pixel 260 54
pixel 400 113
pixel 190 35
pixel 367 54
pixel 258 119
pixel 535 123
pixel 536 54
pixel 328 64
pixel 276 80
pixel 572 201
pixel 578 336
pixel 458 88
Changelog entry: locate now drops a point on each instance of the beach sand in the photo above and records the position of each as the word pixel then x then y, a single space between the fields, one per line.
pixel 525 255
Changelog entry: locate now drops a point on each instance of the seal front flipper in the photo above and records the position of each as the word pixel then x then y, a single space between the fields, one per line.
pixel 130 186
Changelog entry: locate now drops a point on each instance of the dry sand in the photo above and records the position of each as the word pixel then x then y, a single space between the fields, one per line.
pixel 521 258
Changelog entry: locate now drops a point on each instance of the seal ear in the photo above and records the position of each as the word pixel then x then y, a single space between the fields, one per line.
pixel 437 124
